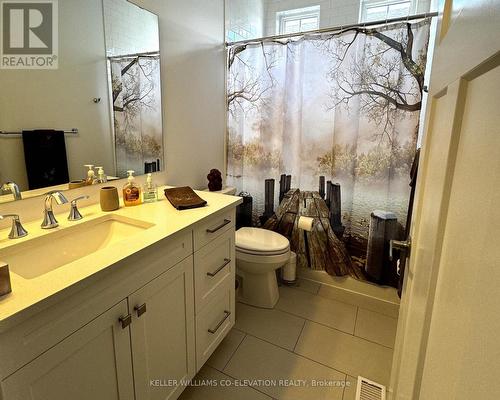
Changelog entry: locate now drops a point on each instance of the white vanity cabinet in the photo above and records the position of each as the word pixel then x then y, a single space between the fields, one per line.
pixel 140 331
pixel 153 330
pixel 92 363
pixel 162 334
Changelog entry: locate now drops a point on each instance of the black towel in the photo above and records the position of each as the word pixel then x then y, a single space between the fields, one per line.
pixel 45 158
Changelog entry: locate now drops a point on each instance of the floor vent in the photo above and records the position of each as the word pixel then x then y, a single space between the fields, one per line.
pixel 369 390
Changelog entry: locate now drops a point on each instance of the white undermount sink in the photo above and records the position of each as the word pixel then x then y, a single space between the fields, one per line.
pixel 36 257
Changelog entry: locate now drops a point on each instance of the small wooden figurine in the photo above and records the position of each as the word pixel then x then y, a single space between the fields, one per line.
pixel 214 180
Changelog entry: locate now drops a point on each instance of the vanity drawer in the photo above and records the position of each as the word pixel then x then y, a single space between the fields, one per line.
pixel 213 227
pixel 213 324
pixel 214 267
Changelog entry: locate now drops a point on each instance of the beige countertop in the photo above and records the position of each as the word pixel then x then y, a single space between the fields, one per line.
pixel 166 219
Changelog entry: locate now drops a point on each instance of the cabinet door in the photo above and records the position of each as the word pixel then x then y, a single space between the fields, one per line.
pixel 163 334
pixel 93 363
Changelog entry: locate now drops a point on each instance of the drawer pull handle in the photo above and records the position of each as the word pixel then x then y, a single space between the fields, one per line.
pixel 125 321
pixel 212 274
pixel 140 309
pixel 226 316
pixel 226 221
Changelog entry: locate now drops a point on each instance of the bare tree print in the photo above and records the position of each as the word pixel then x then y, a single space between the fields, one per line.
pixel 382 87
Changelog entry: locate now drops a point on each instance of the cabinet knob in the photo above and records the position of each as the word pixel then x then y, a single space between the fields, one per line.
pixel 125 321
pixel 140 309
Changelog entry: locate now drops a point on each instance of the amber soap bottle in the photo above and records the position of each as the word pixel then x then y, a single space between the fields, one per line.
pixel 131 191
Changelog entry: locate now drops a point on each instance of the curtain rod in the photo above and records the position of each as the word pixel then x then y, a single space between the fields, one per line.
pixel 133 55
pixel 336 28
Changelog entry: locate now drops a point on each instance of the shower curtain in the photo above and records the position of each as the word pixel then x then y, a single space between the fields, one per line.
pixel 137 112
pixel 345 105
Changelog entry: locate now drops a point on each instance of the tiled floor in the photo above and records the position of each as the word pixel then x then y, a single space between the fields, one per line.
pixel 308 341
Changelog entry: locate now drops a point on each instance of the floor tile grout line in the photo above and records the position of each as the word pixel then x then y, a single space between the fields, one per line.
pixel 311 320
pixel 355 321
pixel 235 378
pixel 267 341
pixel 298 355
pixel 300 334
pixel 345 302
pixel 235 350
pixel 345 381
pixel 324 297
pixel 335 329
pixel 319 288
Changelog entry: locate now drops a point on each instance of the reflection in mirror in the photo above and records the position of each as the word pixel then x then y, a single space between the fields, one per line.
pixel 133 52
pixel 102 106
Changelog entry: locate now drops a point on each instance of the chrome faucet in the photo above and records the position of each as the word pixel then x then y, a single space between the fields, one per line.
pixel 17 231
pixel 74 213
pixel 12 187
pixel 49 220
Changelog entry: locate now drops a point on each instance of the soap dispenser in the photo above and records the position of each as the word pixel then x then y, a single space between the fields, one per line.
pixel 101 176
pixel 90 175
pixel 131 192
pixel 150 192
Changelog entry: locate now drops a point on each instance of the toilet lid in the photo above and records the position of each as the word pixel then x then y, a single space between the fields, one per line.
pixel 258 240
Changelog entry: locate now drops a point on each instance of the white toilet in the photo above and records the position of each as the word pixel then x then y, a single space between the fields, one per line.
pixel 259 253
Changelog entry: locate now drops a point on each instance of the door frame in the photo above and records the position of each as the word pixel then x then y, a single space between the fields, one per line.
pixel 420 281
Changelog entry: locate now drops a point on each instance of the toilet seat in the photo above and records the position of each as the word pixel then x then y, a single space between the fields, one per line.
pixel 259 241
pixel 262 253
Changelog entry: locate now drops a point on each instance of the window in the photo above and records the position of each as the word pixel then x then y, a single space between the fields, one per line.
pixel 298 20
pixel 377 10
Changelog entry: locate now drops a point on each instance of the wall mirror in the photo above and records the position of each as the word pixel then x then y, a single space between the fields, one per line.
pixel 101 107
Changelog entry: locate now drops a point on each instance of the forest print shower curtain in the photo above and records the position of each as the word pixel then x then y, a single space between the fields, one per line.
pixel 345 105
pixel 137 114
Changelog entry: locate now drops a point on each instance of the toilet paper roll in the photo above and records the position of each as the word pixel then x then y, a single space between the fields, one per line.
pixel 306 223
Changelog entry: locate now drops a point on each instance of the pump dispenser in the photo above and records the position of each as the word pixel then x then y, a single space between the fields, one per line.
pixel 101 176
pixel 90 175
pixel 131 192
pixel 150 192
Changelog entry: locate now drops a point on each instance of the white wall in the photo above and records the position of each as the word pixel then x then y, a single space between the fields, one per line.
pixel 244 19
pixel 124 37
pixel 62 98
pixel 193 79
pixel 332 12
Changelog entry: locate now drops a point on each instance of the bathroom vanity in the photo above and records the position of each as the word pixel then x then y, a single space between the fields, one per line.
pixel 121 305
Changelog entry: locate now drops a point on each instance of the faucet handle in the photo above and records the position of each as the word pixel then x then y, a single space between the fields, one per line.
pixel 74 213
pixel 17 231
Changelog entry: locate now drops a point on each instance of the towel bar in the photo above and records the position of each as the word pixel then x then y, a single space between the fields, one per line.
pixel 73 131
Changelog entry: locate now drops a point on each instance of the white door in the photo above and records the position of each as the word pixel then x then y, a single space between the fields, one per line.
pixel 95 362
pixel 446 346
pixel 163 334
